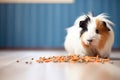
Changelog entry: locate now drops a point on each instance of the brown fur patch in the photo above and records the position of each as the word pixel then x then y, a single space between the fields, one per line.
pixel 104 33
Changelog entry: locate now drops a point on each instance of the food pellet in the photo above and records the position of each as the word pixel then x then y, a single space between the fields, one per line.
pixel 102 61
pixel 26 62
pixel 32 58
pixel 72 59
pixel 17 61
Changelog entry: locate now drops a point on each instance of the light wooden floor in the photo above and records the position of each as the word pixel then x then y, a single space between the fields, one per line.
pixel 11 70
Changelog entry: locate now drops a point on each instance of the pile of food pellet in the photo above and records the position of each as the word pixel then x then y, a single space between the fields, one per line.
pixel 72 59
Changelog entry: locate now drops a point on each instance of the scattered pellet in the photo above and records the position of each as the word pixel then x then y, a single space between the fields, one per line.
pixel 17 61
pixel 102 61
pixel 80 61
pixel 32 58
pixel 26 62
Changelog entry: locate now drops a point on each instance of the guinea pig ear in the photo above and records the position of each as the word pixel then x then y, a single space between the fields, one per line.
pixel 84 23
pixel 105 25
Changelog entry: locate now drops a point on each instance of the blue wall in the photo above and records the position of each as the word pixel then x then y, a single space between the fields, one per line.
pixel 43 25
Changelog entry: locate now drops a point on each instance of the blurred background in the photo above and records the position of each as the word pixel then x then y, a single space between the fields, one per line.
pixel 42 25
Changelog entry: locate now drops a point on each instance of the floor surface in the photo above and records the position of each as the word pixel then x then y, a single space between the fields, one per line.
pixel 28 69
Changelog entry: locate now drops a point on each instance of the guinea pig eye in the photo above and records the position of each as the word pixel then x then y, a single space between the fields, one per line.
pixel 97 31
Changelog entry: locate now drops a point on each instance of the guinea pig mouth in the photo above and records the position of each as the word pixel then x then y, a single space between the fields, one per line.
pixel 90 42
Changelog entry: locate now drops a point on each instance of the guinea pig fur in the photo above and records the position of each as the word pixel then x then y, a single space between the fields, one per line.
pixel 90 35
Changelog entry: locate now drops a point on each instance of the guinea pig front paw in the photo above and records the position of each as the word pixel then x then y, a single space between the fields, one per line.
pixel 105 56
pixel 82 54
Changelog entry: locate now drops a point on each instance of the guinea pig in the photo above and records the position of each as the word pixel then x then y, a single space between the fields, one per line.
pixel 90 36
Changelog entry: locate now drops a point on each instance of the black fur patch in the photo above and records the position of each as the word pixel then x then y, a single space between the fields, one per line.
pixel 83 24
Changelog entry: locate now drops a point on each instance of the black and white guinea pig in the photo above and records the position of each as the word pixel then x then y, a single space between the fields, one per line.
pixel 90 35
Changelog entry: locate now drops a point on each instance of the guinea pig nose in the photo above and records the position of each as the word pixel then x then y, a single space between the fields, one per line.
pixel 90 40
